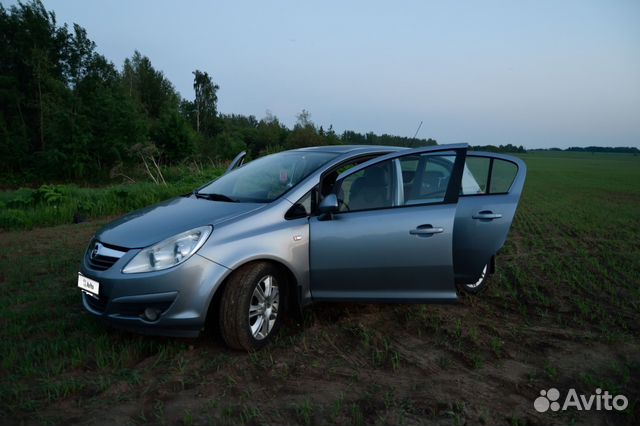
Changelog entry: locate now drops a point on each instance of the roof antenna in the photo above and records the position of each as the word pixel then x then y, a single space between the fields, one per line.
pixel 418 129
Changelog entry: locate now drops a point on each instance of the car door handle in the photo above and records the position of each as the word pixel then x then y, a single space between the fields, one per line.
pixel 426 230
pixel 487 215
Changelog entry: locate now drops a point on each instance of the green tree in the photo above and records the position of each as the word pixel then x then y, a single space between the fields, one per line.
pixel 205 103
pixel 270 135
pixel 304 133
pixel 109 120
pixel 159 102
pixel 32 85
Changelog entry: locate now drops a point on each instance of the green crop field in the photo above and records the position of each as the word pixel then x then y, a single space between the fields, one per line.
pixel 562 310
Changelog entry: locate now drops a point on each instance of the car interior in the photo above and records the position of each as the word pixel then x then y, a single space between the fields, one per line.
pixel 372 190
pixel 424 179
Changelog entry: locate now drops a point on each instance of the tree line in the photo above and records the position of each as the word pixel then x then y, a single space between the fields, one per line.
pixel 614 149
pixel 593 149
pixel 68 113
pixel 499 148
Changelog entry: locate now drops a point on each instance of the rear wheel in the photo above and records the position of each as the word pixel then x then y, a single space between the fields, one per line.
pixel 250 308
pixel 479 285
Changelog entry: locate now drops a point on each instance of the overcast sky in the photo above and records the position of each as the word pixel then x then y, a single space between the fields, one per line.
pixel 536 73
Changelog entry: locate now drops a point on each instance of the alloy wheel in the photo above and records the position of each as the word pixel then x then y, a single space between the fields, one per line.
pixel 482 275
pixel 263 308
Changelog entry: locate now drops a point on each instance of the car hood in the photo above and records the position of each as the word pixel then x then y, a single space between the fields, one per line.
pixel 155 223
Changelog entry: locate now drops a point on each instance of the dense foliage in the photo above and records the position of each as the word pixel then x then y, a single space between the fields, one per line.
pixel 50 205
pixel 68 114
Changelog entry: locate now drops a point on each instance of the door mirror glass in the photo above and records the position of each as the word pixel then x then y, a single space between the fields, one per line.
pixel 329 204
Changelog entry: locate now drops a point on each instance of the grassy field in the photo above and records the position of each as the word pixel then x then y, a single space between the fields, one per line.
pixel 562 311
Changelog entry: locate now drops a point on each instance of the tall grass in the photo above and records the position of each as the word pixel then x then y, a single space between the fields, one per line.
pixel 50 205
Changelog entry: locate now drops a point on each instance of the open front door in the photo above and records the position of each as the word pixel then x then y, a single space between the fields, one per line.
pixel 391 239
pixel 489 195
pixel 237 161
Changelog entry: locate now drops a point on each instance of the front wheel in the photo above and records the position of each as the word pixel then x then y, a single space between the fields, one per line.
pixel 479 285
pixel 250 308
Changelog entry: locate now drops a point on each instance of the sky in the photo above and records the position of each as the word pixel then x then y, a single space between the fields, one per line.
pixel 534 73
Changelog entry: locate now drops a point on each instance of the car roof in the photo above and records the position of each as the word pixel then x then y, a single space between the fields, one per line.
pixel 346 149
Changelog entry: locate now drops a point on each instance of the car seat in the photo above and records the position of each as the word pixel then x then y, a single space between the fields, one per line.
pixel 370 191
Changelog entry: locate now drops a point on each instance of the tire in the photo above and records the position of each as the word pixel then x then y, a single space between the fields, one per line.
pixel 478 286
pixel 251 307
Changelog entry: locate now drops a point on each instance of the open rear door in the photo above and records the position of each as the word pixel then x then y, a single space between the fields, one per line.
pixel 489 195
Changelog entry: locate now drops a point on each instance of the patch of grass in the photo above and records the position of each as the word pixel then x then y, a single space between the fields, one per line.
pixel 357 418
pixel 304 411
pixel 496 345
pixel 380 348
pixel 616 378
pixel 550 371
pixel 337 406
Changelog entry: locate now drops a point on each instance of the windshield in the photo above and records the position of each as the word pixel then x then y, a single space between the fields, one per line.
pixel 265 179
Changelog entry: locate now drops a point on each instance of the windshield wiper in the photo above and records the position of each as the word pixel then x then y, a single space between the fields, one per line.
pixel 214 197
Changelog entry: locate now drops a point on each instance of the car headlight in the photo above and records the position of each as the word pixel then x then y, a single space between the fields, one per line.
pixel 170 252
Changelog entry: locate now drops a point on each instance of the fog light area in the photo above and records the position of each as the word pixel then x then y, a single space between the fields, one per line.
pixel 151 314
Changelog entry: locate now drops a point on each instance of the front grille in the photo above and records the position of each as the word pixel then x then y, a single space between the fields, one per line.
pixel 97 304
pixel 101 263
pixel 101 257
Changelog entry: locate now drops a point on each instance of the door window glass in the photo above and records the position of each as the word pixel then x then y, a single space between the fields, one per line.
pixel 502 175
pixel 329 180
pixel 370 188
pixel 482 171
pixel 409 180
pixel 475 176
pixel 302 208
pixel 425 177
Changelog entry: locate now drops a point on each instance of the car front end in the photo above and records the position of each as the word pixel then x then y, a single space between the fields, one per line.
pixel 171 301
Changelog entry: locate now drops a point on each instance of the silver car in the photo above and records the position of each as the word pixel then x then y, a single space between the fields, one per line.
pixel 332 223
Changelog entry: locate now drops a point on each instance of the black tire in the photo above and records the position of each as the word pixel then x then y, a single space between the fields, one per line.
pixel 239 292
pixel 480 285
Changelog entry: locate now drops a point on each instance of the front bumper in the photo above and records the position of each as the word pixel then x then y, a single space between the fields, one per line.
pixel 181 295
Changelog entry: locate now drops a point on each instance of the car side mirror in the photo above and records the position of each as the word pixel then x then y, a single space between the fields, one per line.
pixel 329 204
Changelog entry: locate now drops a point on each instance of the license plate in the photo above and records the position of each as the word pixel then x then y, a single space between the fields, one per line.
pixel 88 285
